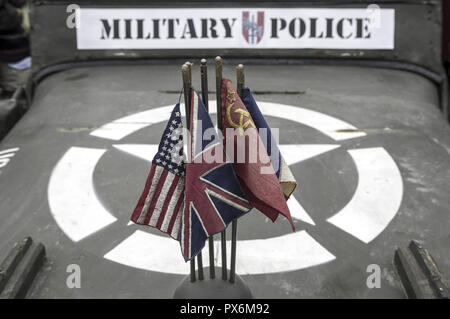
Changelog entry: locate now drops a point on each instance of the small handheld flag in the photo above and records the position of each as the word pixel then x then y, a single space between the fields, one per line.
pixel 213 197
pixel 282 170
pixel 162 201
pixel 257 177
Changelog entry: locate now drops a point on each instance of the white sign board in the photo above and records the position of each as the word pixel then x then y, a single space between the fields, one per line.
pixel 238 28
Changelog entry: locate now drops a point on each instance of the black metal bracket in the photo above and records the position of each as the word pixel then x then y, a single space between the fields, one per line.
pixel 20 267
pixel 419 273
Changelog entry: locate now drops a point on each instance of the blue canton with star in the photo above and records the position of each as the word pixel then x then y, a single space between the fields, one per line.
pixel 170 150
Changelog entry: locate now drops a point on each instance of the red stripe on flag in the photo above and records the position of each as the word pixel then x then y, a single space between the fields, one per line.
pixel 138 209
pixel 235 199
pixel 167 201
pixel 158 189
pixel 175 214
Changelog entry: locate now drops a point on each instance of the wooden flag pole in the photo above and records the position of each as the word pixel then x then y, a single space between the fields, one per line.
pixel 199 256
pixel 185 70
pixel 186 91
pixel 240 79
pixel 204 78
pixel 223 234
pixel 240 85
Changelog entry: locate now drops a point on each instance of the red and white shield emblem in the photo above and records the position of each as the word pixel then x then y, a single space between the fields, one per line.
pixel 253 26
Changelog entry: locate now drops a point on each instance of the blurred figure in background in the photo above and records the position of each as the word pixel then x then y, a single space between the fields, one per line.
pixel 15 60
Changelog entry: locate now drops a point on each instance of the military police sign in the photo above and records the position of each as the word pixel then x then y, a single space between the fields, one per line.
pixel 264 28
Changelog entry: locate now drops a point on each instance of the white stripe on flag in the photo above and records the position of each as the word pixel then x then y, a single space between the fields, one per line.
pixel 172 204
pixel 285 172
pixel 161 199
pixel 182 232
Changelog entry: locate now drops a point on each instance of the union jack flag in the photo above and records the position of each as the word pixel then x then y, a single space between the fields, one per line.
pixel 213 196
pixel 162 201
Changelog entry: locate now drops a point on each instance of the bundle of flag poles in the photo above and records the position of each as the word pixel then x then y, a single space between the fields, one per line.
pixel 194 193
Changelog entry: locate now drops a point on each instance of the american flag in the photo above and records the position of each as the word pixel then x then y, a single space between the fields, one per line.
pixel 162 201
pixel 213 195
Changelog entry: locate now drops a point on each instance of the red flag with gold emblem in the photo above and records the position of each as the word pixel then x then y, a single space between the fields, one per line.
pixel 250 160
